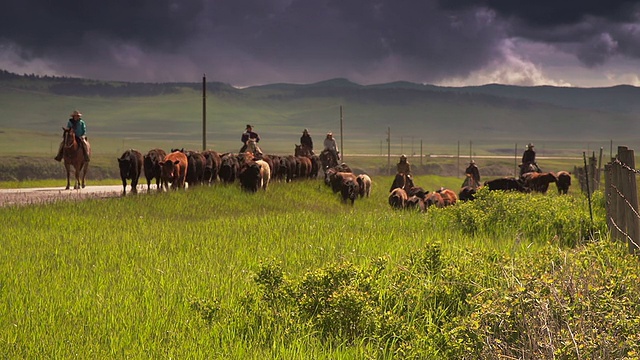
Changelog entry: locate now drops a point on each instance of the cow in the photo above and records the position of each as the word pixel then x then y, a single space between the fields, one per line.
pixel 539 182
pixel 416 203
pixel 228 168
pixel 398 198
pixel 152 161
pixel 173 169
pixel 564 181
pixel 265 174
pixel 336 180
pixel 506 184
pixel 250 176
pixel 195 164
pixel 316 164
pixel 130 164
pixel 212 164
pixel 433 198
pixel 290 167
pixel 467 193
pixel 349 189
pixel 364 184
pixel 304 167
pixel 448 196
pixel 275 167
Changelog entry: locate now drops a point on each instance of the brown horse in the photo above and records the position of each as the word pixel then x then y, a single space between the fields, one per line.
pixel 301 150
pixel 73 156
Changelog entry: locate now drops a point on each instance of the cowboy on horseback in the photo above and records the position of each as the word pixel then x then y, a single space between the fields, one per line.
pixel 529 160
pixel 403 165
pixel 246 135
pixel 80 129
pixel 331 146
pixel 306 141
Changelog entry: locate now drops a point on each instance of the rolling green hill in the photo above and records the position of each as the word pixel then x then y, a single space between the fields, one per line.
pixel 493 118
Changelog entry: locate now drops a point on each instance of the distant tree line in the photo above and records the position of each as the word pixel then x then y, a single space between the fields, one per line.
pixel 70 86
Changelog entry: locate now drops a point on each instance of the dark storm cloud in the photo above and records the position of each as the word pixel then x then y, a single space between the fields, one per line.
pixel 258 41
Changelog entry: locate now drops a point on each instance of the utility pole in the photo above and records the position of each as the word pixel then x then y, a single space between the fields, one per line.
pixel 204 112
pixel 388 150
pixel 341 142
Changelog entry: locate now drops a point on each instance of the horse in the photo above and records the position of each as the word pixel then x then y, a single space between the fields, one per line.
pixel 301 150
pixel 469 181
pixel 252 147
pixel 529 167
pixel 328 159
pixel 73 156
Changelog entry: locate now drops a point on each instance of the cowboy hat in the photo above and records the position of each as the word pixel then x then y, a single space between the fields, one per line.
pixel 329 134
pixel 249 127
pixel 75 113
pixel 529 145
pixel 403 156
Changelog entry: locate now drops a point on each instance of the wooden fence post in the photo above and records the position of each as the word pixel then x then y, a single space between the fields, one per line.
pixel 631 194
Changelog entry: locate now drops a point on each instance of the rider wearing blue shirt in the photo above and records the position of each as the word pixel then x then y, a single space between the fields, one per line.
pixel 80 129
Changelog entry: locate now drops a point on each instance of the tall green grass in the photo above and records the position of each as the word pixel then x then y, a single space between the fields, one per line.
pixel 189 274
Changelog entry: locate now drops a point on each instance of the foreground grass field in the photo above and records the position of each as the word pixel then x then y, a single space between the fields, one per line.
pixel 294 274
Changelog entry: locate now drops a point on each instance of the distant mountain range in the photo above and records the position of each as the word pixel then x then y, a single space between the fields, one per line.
pixel 489 114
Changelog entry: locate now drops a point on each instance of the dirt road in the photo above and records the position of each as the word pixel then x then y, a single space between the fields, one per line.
pixel 10 197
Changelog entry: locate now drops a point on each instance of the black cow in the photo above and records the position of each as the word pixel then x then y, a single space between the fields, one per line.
pixel 152 166
pixel 212 163
pixel 467 193
pixel 349 189
pixel 564 181
pixel 130 164
pixel 195 168
pixel 249 176
pixel 229 168
pixel 507 184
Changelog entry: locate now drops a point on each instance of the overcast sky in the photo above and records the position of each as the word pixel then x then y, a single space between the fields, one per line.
pixel 584 43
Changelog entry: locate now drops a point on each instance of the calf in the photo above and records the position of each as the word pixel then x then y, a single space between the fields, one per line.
pixel 250 176
pixel 398 198
pixel 195 168
pixel 130 164
pixel 448 196
pixel 364 184
pixel 564 181
pixel 265 174
pixel 433 199
pixel 336 180
pixel 467 193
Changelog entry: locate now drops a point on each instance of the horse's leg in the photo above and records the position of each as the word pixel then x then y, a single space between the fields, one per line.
pixel 85 168
pixel 78 173
pixel 68 168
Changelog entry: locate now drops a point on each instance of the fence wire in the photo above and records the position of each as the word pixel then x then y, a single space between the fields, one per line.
pixel 621 197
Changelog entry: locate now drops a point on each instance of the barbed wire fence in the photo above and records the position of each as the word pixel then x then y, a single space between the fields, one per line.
pixel 621 199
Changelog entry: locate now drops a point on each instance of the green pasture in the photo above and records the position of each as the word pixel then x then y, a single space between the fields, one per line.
pixel 292 273
pixel 419 123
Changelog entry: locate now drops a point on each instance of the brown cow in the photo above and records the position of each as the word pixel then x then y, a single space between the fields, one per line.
pixel 173 170
pixel 416 203
pixel 564 181
pixel 349 189
pixel 152 167
pixel 398 198
pixel 539 182
pixel 304 167
pixel 336 180
pixel 448 196
pixel 433 199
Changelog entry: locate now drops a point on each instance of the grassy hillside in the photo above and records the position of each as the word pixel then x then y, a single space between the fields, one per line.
pixel 494 119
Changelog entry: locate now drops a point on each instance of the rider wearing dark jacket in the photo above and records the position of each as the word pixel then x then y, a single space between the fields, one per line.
pixel 306 141
pixel 246 135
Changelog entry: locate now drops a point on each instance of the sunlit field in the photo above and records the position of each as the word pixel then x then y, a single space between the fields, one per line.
pixel 294 273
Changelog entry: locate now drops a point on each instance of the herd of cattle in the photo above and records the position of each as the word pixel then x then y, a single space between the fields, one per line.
pixel 405 195
pixel 178 168
pixel 254 172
